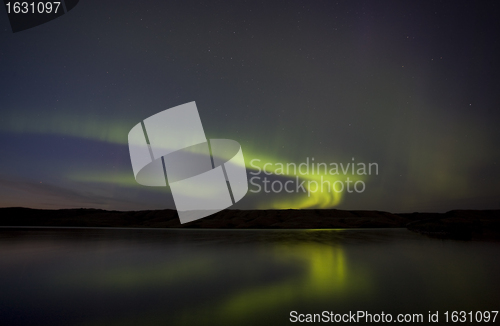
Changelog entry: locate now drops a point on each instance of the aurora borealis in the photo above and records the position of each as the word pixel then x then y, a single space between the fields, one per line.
pixel 413 86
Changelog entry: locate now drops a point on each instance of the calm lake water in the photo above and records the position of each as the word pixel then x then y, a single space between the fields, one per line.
pixel 219 277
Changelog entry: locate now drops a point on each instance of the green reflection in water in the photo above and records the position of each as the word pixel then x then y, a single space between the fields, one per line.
pixel 140 276
pixel 325 276
pixel 315 273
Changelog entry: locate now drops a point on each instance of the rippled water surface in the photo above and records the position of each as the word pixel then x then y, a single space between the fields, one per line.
pixel 220 277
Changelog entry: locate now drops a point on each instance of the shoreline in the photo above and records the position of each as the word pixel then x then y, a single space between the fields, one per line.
pixel 456 224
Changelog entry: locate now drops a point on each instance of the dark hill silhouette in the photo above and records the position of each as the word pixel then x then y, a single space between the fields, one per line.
pixel 461 224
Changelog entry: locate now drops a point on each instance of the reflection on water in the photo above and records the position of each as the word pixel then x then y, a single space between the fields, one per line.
pixel 324 276
pixel 221 277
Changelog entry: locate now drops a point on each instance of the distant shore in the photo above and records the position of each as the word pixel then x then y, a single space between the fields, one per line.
pixel 456 224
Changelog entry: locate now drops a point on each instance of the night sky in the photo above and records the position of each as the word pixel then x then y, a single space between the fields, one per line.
pixel 411 85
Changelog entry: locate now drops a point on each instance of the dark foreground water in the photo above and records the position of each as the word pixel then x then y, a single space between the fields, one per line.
pixel 219 277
